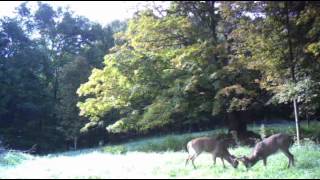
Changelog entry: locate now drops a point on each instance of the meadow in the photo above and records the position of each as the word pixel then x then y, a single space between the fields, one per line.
pixel 159 157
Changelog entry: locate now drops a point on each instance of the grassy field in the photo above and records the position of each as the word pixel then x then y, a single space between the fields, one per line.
pixel 138 160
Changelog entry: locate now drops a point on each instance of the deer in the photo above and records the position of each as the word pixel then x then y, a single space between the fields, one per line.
pixel 263 149
pixel 218 148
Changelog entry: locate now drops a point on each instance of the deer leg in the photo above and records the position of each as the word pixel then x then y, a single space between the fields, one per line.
pixel 222 162
pixel 194 166
pixel 290 156
pixel 214 157
pixel 192 160
pixel 292 161
pixel 265 162
pixel 187 160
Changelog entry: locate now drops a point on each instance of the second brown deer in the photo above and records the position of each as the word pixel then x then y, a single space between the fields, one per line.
pixel 268 147
pixel 218 148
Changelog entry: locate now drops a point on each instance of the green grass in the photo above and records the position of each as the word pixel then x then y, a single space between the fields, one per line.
pixel 307 166
pixel 159 157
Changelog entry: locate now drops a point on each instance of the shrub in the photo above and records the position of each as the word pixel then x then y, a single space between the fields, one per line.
pixel 168 144
pixel 115 149
pixel 312 131
pixel 12 158
pixel 263 132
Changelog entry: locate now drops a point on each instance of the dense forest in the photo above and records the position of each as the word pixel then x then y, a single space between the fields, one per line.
pixel 67 82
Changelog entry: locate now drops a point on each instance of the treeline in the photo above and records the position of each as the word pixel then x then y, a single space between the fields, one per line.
pixel 192 66
pixel 45 55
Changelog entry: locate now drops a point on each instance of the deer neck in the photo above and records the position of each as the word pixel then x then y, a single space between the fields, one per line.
pixel 253 160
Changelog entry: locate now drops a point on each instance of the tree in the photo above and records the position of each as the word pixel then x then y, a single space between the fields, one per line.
pixel 24 104
pixel 138 68
pixel 72 75
pixel 275 41
pixel 165 73
pixel 31 66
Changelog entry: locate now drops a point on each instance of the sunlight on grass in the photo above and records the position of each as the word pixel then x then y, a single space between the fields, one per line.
pixel 125 161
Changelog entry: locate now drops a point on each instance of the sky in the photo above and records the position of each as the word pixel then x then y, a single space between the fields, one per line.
pixel 102 12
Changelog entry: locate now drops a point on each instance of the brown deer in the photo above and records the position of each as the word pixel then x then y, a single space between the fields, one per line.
pixel 218 148
pixel 268 147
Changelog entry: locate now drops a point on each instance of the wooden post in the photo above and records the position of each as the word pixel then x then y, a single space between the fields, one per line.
pixel 297 120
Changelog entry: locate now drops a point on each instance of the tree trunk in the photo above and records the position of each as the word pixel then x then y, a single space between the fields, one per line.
pixel 213 21
pixel 75 143
pixel 237 126
pixel 236 122
pixel 308 119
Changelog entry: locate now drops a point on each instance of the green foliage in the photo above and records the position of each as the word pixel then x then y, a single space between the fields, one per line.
pixel 39 74
pixel 314 48
pixel 263 133
pixel 228 97
pixel 167 68
pixel 73 74
pixel 115 149
pixel 110 87
pixel 12 158
pixel 271 47
pixel 157 114
pixel 135 72
pixel 24 86
pixel 305 91
pixel 168 144
pixel 238 90
pixel 311 131
pixel 125 124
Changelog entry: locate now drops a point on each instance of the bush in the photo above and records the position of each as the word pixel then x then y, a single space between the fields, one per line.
pixel 115 149
pixel 12 158
pixel 266 131
pixel 168 144
pixel 311 132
